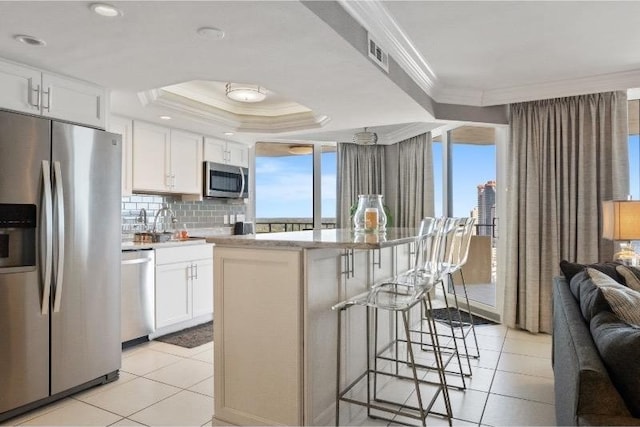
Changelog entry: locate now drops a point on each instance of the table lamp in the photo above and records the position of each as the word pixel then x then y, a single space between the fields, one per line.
pixel 621 221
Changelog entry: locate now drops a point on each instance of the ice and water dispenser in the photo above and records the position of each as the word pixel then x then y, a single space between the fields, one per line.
pixel 17 236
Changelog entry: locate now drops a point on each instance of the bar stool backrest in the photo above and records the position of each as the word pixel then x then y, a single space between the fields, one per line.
pixel 468 225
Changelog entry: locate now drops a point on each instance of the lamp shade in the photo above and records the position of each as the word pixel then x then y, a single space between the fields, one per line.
pixel 621 220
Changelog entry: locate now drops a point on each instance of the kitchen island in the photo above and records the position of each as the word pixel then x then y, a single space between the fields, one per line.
pixel 274 330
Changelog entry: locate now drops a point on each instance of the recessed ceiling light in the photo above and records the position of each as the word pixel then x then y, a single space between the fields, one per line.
pixel 211 33
pixel 30 40
pixel 165 117
pixel 229 133
pixel 104 9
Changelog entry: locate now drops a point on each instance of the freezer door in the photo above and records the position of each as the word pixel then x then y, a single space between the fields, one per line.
pixel 85 326
pixel 24 329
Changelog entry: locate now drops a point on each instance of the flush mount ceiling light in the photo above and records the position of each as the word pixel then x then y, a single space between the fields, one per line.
pixel 300 149
pixel 30 40
pixel 228 133
pixel 107 10
pixel 365 138
pixel 245 93
pixel 165 117
pixel 211 33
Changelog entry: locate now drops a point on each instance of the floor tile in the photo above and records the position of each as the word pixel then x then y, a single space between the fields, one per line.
pixel 491 330
pixel 185 408
pixel 528 387
pixel 205 356
pixel 527 347
pixel 204 387
pixel 123 378
pixel 125 422
pixel 130 351
pixel 148 360
pixel 176 350
pixel 520 334
pixel 20 419
pixel 485 342
pixel 74 414
pixel 488 359
pixel 527 365
pixel 466 405
pixel 509 411
pixel 132 396
pixel 183 374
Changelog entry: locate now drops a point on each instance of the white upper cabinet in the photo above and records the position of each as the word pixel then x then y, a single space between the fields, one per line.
pixel 124 127
pixel 68 99
pixel 29 90
pixel 151 151
pixel 232 153
pixel 166 160
pixel 186 162
pixel 20 88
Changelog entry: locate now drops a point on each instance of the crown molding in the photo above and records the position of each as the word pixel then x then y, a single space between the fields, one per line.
pixel 375 18
pixel 221 102
pixel 406 132
pixel 205 114
pixel 561 88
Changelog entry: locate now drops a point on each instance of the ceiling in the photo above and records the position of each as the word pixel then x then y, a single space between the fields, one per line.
pixel 469 54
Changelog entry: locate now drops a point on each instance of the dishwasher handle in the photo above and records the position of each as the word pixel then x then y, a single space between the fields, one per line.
pixel 136 261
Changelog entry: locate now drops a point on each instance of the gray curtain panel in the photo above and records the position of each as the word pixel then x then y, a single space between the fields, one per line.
pixel 361 170
pixel 566 156
pixel 415 181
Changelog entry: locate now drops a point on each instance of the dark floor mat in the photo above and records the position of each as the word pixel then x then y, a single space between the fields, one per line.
pixel 191 337
pixel 442 314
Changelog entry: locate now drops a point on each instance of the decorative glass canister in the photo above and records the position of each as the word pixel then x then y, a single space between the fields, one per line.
pixel 369 216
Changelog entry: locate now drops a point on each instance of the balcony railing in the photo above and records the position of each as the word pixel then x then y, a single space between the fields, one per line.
pixel 276 225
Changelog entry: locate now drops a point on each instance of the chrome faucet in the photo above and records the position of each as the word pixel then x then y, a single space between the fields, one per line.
pixel 142 217
pixel 166 209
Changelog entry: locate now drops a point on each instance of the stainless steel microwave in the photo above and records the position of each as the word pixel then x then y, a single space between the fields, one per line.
pixel 222 180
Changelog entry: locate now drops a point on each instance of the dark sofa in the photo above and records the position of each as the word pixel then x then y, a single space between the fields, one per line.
pixel 584 392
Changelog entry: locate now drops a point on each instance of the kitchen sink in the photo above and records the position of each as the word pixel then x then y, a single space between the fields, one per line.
pixel 146 237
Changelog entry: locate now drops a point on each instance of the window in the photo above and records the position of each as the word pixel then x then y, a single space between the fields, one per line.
pixel 285 197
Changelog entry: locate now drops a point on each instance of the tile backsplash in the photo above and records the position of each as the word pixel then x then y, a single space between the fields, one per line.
pixel 203 214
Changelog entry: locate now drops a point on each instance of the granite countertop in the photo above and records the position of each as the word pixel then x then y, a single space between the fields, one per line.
pixel 197 237
pixel 129 245
pixel 330 238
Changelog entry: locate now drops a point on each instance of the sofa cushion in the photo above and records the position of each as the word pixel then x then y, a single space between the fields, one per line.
pixel 570 269
pixel 624 301
pixel 589 296
pixel 619 346
pixel 631 276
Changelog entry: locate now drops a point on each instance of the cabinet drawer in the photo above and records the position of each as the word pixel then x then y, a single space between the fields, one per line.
pixel 183 254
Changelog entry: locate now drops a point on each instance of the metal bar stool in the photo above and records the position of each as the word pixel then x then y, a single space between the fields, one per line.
pixel 397 297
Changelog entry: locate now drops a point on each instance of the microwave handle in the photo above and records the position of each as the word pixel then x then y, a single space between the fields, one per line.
pixel 243 183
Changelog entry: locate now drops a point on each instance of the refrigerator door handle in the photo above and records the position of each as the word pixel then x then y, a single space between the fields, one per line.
pixel 46 237
pixel 57 173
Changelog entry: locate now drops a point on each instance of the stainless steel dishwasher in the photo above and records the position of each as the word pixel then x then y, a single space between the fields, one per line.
pixel 138 294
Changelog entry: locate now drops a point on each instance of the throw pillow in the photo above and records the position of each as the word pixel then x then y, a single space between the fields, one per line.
pixel 619 347
pixel 570 269
pixel 624 301
pixel 631 276
pixel 588 295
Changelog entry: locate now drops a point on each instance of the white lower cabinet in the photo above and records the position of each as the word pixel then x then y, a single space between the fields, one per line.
pixel 184 284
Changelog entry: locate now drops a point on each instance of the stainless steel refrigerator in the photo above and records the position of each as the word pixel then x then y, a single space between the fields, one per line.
pixel 59 260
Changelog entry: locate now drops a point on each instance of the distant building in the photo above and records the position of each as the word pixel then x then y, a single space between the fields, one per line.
pixel 474 214
pixel 486 207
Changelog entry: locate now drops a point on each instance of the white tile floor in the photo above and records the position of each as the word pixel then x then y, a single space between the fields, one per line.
pixel 161 384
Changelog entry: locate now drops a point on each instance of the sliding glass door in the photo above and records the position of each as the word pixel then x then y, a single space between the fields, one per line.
pixel 469 160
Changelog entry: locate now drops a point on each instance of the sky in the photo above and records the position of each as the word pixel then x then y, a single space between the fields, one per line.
pixel 634 167
pixel 284 185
